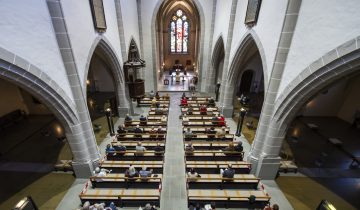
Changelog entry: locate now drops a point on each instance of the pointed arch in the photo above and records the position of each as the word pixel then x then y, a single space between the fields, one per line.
pixel 102 46
pixel 39 84
pixel 217 57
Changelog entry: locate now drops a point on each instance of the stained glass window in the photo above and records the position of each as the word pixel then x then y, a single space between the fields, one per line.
pixel 179 33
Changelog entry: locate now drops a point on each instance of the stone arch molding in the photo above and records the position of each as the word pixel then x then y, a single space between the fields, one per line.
pixel 119 80
pixel 34 80
pixel 249 37
pixel 337 64
pixel 217 49
pixel 155 58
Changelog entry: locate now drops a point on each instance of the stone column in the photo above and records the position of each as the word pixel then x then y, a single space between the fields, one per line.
pixel 264 165
pixel 81 137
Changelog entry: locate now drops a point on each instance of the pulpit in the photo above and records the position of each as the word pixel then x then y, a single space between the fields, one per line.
pixel 131 69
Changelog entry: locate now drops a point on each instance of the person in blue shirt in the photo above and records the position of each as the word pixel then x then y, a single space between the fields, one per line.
pixel 143 120
pixel 144 174
pixel 110 150
pixel 128 119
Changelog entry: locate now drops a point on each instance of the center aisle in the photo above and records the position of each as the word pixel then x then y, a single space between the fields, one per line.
pixel 173 195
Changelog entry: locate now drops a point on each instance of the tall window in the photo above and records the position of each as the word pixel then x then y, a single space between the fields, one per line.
pixel 179 33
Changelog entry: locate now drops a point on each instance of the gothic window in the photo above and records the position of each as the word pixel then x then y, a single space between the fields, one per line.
pixel 179 32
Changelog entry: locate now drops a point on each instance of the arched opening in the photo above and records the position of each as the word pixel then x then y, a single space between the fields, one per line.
pixel 218 62
pixel 318 119
pixel 34 124
pixel 178 35
pixel 247 80
pixel 105 87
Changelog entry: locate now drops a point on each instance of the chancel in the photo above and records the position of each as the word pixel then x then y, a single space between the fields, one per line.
pixel 179 104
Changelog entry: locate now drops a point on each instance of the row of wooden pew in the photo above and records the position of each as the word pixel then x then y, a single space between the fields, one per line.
pixel 127 191
pixel 208 158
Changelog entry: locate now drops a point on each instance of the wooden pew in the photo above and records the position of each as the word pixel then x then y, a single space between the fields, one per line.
pixel 197 118
pixel 149 102
pixel 157 118
pixel 130 145
pixel 199 98
pixel 229 198
pixel 205 145
pixel 198 114
pixel 214 155
pixel 120 166
pixel 213 167
pixel 114 180
pixel 201 123
pixel 216 181
pixel 146 98
pixel 149 123
pixel 121 197
pixel 130 155
pixel 141 137
pixel 146 128
pixel 202 130
pixel 209 137
pixel 209 109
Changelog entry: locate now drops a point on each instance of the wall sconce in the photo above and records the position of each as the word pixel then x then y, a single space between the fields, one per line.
pixel 88 82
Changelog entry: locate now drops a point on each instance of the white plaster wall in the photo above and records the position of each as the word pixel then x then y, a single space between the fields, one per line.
pixel 27 31
pixel 322 26
pixel 222 17
pixel 81 31
pixel 268 28
pixel 147 12
pixel 130 22
pixel 82 34
pixel 327 103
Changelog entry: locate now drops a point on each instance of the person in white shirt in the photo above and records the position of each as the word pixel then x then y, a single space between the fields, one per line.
pixel 139 149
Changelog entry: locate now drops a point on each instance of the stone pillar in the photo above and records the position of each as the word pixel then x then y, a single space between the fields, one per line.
pixel 81 137
pixel 227 100
pixel 262 154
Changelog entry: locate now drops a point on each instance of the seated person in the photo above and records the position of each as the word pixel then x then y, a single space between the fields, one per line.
pixel 203 110
pixel 144 174
pixel 189 149
pixel 121 149
pixel 152 132
pixel 211 102
pixel 138 130
pixel 184 102
pixel 185 118
pixel 160 130
pixel 143 120
pixel 222 120
pixel 131 172
pixel 166 96
pixel 121 129
pixel 158 111
pixel 128 119
pixel 189 111
pixel 151 94
pixel 250 124
pixel 110 150
pixel 153 102
pixel 159 150
pixel 100 173
pixel 192 175
pixel 112 206
pixel 221 133
pixel 149 207
pixel 157 96
pixel 229 172
pixel 214 120
pixel 183 95
pixel 188 133
pixel 157 104
pixel 230 148
pixel 210 206
pixel 139 149
pixel 239 147
pixel 193 96
pixel 211 132
pixel 163 118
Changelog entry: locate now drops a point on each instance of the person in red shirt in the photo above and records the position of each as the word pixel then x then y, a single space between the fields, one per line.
pixel 203 110
pixel 184 102
pixel 221 120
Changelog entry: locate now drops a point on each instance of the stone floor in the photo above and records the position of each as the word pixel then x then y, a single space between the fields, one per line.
pixel 173 196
